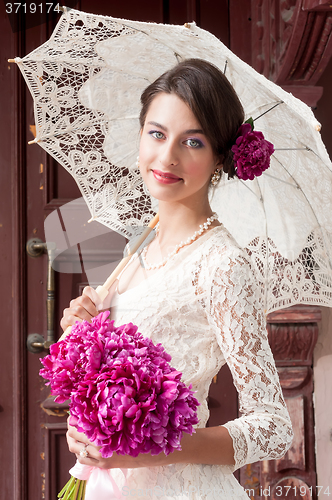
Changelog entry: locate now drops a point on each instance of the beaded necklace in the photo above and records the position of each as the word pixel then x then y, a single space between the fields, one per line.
pixel 188 241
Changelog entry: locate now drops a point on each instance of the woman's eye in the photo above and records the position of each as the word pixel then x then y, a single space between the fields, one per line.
pixel 157 135
pixel 194 143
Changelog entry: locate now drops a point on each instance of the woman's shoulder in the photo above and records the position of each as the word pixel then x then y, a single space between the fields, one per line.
pixel 227 261
pixel 221 254
pixel 221 245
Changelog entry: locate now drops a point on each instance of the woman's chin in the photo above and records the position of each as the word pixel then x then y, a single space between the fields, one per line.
pixel 164 192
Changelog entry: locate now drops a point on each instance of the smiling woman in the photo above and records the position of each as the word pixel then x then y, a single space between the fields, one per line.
pixel 213 102
pixel 174 150
pixel 193 290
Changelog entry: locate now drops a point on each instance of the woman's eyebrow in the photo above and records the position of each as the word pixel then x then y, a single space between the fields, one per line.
pixel 190 131
pixel 194 131
pixel 156 124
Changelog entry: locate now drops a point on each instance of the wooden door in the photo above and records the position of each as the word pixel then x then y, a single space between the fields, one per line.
pixel 33 452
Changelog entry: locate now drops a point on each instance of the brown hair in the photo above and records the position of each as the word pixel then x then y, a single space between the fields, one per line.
pixel 211 98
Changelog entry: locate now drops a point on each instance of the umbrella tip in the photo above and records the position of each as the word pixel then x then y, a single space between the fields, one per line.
pixel 189 25
pixel 92 219
pixel 11 60
pixel 318 127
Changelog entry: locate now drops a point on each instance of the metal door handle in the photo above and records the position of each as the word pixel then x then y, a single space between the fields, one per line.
pixel 35 342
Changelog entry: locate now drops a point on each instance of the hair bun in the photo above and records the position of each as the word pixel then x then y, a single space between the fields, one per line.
pixel 228 164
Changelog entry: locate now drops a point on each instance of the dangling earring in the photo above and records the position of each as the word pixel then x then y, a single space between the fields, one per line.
pixel 137 162
pixel 215 177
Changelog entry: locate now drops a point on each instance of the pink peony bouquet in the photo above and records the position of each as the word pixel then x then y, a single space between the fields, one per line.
pixel 125 396
pixel 251 152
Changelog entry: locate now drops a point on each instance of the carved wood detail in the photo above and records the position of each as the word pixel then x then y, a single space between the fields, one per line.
pixel 293 344
pixel 293 378
pixel 292 43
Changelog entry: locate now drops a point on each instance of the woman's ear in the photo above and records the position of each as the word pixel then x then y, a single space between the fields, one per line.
pixel 219 162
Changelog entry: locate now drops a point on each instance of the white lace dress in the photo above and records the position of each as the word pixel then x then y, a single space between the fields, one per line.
pixel 203 306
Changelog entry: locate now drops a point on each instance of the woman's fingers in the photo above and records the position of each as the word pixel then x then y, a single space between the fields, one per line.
pixel 91 293
pixel 75 434
pixel 88 301
pixel 68 320
pixel 77 441
pixel 81 308
pixel 73 314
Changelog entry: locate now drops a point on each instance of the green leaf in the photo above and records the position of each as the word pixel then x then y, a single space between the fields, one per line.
pixel 251 122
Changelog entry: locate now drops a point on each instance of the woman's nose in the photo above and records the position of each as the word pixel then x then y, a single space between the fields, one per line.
pixel 169 154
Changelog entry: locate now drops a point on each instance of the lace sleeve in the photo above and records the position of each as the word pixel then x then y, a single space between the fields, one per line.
pixel 264 430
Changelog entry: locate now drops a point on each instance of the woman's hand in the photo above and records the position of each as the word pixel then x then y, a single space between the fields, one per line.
pixel 210 445
pixel 83 307
pixel 77 441
pixel 87 306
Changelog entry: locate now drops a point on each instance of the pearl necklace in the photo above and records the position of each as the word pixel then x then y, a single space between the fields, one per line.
pixel 188 241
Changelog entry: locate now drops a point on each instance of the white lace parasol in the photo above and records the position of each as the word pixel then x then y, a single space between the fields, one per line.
pixel 86 83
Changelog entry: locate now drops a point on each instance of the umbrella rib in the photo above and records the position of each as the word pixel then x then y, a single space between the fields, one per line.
pixel 265 112
pixel 245 184
pixel 313 152
pixel 292 149
pixel 305 148
pixel 151 36
pixel 303 193
pixel 281 180
pixel 255 194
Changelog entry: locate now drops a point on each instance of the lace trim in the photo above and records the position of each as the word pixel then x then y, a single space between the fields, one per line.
pixel 239 444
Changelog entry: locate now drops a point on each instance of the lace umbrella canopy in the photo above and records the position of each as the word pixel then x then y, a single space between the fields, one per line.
pixel 86 82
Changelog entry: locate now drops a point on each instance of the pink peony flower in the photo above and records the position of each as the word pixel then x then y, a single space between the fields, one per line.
pixel 125 396
pixel 251 153
pixel 79 352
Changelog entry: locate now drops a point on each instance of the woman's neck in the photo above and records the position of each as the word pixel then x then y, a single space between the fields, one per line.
pixel 177 222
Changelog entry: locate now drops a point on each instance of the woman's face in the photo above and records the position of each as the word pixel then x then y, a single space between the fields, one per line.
pixel 176 158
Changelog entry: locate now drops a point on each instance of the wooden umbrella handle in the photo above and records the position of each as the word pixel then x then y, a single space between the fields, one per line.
pixel 102 290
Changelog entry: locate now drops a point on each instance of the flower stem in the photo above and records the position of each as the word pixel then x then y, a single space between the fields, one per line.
pixel 73 490
pixel 81 493
pixel 77 485
pixel 66 487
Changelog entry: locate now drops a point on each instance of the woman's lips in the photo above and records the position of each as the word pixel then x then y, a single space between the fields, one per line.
pixel 165 177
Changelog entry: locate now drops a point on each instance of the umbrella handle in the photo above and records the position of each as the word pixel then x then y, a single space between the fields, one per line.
pixel 102 290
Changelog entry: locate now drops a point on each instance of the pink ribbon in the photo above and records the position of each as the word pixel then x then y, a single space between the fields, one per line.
pixel 100 483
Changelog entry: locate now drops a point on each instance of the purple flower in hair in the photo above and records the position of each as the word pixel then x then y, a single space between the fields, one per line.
pixel 251 152
pixel 124 394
